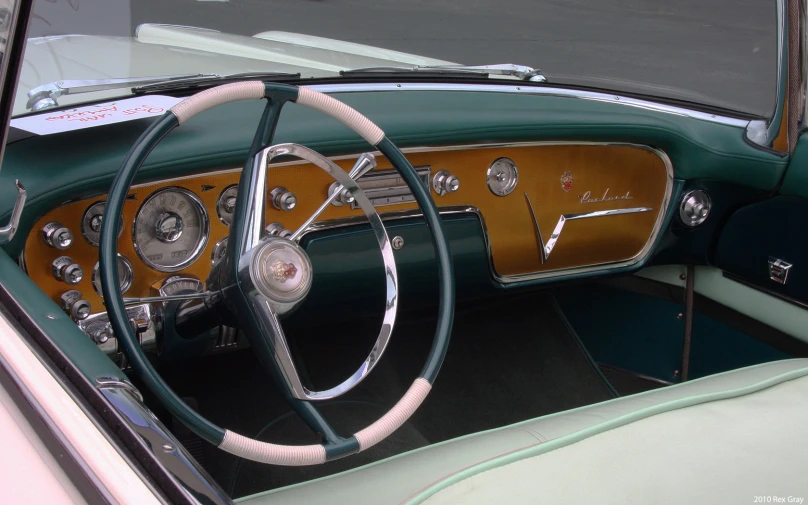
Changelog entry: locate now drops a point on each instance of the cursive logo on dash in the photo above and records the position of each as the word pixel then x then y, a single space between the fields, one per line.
pixel 587 197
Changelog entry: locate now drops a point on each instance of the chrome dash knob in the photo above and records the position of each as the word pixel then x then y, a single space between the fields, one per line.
pixel 283 199
pixel 444 183
pixel 274 229
pixel 695 207
pixel 346 197
pixel 65 270
pixel 74 304
pixel 56 235
pixel 343 198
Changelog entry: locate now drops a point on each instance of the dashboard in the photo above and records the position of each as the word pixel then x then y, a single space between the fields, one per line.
pixel 546 209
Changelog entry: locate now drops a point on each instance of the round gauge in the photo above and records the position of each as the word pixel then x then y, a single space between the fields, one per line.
pixel 227 204
pixel 178 284
pixel 91 223
pixel 125 275
pixel 502 176
pixel 171 229
pixel 218 251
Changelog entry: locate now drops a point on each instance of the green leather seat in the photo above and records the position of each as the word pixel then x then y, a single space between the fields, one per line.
pixel 724 438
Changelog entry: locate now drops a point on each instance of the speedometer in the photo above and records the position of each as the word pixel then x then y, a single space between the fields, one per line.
pixel 171 229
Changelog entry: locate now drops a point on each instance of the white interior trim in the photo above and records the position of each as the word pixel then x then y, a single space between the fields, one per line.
pixel 28 471
pixel 61 413
pixel 710 282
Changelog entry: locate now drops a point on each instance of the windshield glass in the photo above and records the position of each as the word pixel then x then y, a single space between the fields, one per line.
pixel 720 53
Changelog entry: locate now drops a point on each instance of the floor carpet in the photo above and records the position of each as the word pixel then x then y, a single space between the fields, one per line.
pixel 509 360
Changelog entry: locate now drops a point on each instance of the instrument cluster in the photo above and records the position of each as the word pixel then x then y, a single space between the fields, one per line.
pixel 168 232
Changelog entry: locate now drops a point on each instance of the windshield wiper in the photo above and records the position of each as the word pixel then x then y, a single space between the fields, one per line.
pixel 521 72
pixel 203 80
pixel 44 96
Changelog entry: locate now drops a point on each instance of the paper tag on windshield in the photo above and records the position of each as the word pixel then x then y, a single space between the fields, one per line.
pixel 100 114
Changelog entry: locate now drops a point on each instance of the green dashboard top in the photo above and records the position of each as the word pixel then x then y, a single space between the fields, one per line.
pixel 66 166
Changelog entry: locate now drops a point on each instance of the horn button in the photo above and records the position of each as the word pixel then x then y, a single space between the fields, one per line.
pixel 281 271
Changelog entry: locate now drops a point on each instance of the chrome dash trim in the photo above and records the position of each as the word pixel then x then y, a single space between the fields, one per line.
pixel 542 249
pixel 548 248
pixel 534 90
pixel 664 210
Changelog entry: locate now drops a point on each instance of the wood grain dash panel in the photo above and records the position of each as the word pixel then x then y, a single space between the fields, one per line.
pixel 634 172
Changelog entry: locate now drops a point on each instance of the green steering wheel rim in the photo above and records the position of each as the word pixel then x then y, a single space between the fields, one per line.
pixel 114 302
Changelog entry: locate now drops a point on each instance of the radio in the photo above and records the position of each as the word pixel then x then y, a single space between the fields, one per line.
pixel 382 187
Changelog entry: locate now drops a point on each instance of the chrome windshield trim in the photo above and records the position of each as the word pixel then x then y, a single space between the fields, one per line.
pixel 762 132
pixel 533 90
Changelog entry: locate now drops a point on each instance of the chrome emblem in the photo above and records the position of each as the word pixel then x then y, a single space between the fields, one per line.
pixel 283 271
pixel 566 181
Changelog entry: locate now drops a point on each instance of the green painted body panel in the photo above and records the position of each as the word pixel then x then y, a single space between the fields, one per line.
pixel 795 183
pixel 56 168
pixel 75 345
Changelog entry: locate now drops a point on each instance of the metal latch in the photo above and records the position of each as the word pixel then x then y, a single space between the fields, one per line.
pixel 778 270
pixel 7 232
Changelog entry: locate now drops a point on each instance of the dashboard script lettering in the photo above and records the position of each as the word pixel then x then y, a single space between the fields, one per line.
pixel 587 197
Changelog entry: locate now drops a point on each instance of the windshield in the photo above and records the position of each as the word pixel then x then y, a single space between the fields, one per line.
pixel 721 53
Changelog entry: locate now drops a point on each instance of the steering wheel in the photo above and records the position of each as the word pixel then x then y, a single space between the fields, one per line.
pixel 263 277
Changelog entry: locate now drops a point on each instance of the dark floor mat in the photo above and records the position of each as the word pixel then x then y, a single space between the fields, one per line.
pixel 509 360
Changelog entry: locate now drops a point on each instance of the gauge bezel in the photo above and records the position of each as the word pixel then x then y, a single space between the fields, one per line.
pixel 511 186
pixel 170 281
pixel 219 202
pixel 126 282
pixel 198 248
pixel 216 246
pixel 84 217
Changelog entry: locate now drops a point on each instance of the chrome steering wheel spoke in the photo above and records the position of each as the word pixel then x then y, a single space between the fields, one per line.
pixel 274 274
pixel 364 164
